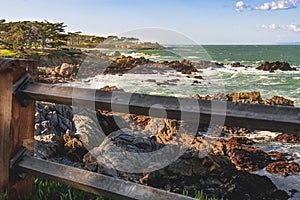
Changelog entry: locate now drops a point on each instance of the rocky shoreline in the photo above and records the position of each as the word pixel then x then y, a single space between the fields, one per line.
pixel 63 66
pixel 220 167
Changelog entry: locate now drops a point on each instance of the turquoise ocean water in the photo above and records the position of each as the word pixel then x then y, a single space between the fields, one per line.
pixel 286 84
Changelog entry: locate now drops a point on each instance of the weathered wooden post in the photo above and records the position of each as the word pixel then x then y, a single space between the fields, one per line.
pixel 16 125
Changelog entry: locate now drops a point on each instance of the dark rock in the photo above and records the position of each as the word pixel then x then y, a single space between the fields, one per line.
pixel 283 66
pixel 293 192
pixel 196 82
pixel 198 77
pixel 215 175
pixel 123 65
pixel 55 132
pixel 185 66
pixel 237 64
pixel 207 64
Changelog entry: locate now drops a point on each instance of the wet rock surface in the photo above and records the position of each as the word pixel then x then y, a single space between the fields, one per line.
pixel 237 64
pixel 271 67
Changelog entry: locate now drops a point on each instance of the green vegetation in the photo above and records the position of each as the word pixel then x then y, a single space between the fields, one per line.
pixel 199 195
pixel 7 53
pixel 22 36
pixel 45 189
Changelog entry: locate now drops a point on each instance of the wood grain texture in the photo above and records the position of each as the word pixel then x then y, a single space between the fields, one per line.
pixel 256 116
pixel 5 123
pixel 95 183
pixel 16 124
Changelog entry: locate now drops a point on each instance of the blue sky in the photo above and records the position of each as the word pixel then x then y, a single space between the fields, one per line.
pixel 203 21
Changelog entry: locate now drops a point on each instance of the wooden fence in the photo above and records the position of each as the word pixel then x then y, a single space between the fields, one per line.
pixel 18 94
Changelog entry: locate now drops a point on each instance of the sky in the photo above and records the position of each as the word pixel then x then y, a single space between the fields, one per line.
pixel 169 21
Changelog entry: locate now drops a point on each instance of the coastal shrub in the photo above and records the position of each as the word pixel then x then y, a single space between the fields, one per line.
pixel 7 53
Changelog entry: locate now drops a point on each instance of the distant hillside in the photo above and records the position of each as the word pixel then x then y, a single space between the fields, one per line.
pixel 111 42
pixel 28 35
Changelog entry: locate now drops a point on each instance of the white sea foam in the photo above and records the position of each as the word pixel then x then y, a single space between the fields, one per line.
pixel 147 56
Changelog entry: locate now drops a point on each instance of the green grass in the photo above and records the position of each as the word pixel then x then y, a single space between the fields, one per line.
pixel 45 190
pixel 7 53
pixel 199 195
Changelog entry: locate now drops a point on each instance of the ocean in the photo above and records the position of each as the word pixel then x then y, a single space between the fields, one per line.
pixel 218 80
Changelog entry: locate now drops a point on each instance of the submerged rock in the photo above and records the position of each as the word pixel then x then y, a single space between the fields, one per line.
pixel 237 64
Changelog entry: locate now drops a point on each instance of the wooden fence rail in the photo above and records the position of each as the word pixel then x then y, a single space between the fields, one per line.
pixel 256 116
pixel 17 127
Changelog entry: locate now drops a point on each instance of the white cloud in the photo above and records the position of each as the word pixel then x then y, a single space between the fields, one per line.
pixel 278 5
pixel 272 26
pixel 293 27
pixel 240 6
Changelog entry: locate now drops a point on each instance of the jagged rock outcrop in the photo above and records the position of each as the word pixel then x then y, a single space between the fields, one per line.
pixel 271 67
pixel 55 133
pixel 218 167
pixel 215 175
pixel 129 64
